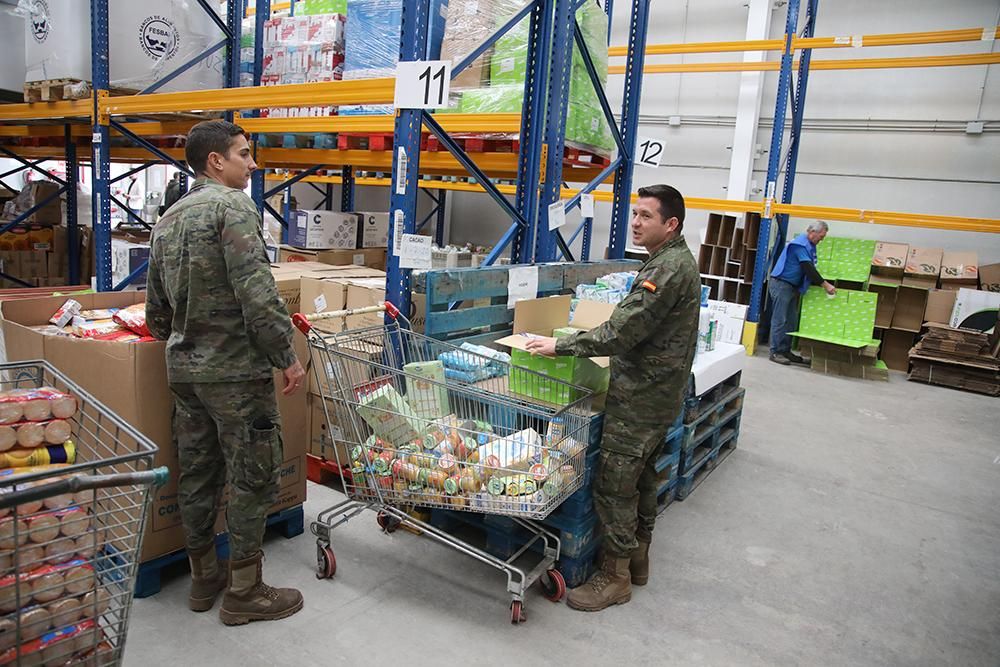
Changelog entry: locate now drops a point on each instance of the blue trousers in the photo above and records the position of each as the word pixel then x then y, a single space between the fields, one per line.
pixel 784 314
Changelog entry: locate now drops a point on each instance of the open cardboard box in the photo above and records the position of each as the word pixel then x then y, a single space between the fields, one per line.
pixel 940 304
pixel 922 267
pixel 959 269
pixel 888 263
pixel 130 379
pixel 540 317
pixel 989 278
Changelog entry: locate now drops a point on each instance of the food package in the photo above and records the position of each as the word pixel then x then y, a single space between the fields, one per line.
pixel 29 435
pixel 92 329
pixel 56 647
pixel 390 416
pixel 19 458
pixel 46 584
pixel 426 391
pixel 133 318
pixel 99 313
pixel 39 404
pixel 474 363
pixel 65 313
pixel 518 451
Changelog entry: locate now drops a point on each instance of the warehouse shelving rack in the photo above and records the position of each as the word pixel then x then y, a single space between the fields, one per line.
pixel 776 207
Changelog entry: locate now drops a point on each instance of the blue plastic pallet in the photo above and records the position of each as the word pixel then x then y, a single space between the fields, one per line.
pixel 577 570
pixel 667 494
pixel 696 432
pixel 691 480
pixel 288 523
pixel 710 442
pixel 695 406
pixel 576 535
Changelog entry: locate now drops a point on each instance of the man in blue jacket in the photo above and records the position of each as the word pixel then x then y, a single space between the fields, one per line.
pixel 794 272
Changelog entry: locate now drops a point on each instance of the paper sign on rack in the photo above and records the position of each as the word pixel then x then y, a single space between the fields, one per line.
pixel 415 252
pixel 557 215
pixel 587 206
pixel 522 283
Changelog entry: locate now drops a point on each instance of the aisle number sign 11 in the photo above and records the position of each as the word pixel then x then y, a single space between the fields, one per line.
pixel 422 84
pixel 649 151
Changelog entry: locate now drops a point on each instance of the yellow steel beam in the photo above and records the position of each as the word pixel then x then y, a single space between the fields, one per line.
pixel 275 7
pixel 892 39
pixel 506 123
pixel 815 65
pixel 80 131
pixel 46 110
pixel 364 91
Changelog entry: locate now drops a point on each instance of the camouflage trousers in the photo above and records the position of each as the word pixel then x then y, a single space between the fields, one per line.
pixel 227 431
pixel 625 484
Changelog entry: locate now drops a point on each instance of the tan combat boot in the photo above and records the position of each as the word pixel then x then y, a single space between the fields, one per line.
pixel 208 578
pixel 639 564
pixel 250 599
pixel 609 585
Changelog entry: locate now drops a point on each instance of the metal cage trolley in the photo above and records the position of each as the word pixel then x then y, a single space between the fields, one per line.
pixel 418 422
pixel 75 486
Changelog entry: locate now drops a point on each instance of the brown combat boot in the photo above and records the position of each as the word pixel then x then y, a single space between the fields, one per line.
pixel 208 578
pixel 639 563
pixel 609 585
pixel 250 599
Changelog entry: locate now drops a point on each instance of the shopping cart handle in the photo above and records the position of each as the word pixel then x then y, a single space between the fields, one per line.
pixel 161 476
pixel 301 323
pixel 76 483
pixel 391 310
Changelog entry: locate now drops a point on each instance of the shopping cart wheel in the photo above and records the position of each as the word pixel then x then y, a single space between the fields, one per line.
pixel 326 562
pixel 517 612
pixel 553 585
pixel 387 522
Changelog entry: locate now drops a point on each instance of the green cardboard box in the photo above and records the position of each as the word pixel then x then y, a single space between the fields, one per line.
pixel 550 317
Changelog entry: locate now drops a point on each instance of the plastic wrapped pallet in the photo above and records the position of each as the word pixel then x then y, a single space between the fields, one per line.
pixel 146 42
pixel 372 49
pixel 494 83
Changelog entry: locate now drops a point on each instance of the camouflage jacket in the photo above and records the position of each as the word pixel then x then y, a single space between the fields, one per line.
pixel 210 293
pixel 650 337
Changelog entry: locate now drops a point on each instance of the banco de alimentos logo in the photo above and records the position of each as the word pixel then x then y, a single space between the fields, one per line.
pixel 40 20
pixel 159 38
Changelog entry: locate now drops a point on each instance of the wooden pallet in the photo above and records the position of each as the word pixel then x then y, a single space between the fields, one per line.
pixel 288 523
pixel 56 90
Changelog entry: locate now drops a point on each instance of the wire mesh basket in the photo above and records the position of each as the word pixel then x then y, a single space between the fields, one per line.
pixel 74 496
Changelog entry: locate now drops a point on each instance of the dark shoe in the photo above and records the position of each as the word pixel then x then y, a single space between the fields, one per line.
pixel 796 359
pixel 208 578
pixel 248 598
pixel 639 563
pixel 610 585
pixel 780 359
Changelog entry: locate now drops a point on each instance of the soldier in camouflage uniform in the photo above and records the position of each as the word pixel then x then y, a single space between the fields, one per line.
pixel 651 338
pixel 211 296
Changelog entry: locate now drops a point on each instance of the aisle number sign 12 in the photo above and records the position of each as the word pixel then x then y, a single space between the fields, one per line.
pixel 422 84
pixel 649 151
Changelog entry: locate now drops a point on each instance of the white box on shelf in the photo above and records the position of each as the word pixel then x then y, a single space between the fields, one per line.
pixel 324 230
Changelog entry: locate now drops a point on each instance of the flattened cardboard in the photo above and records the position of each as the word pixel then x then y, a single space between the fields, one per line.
pixel 940 304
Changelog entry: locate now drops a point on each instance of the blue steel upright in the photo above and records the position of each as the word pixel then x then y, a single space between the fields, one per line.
pixel 408 126
pixel 529 161
pixel 773 164
pixel 635 60
pixel 262 12
pixel 555 125
pixel 72 223
pixel 346 189
pixel 798 111
pixel 100 147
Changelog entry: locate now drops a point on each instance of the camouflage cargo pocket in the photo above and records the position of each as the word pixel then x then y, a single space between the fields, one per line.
pixel 618 474
pixel 262 455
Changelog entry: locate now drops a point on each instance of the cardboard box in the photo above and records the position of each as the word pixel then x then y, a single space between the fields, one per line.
pixel 363 292
pixel 896 349
pixel 959 269
pixel 911 304
pixel 323 230
pixel 922 267
pixel 940 304
pixel 287 278
pixel 373 229
pixel 889 262
pixel 131 380
pixel 127 257
pixel 326 290
pixel 373 258
pixel 542 317
pixel 989 278
pixel 886 303
pixel 975 309
pixel 326 439
pixel 730 318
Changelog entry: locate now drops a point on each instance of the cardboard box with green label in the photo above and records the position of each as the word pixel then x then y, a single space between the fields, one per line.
pixel 550 316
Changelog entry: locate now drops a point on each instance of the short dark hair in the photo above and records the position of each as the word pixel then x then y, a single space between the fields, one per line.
pixel 671 201
pixel 210 136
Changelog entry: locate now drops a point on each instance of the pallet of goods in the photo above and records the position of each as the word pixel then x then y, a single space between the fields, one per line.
pixel 958 358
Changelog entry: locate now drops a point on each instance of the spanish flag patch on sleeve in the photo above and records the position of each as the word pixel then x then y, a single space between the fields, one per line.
pixel 649 285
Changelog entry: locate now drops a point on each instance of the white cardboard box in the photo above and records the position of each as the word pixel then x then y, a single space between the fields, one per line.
pixel 730 318
pixel 374 230
pixel 324 230
pixel 975 309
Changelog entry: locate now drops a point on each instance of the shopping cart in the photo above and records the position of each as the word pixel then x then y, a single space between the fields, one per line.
pixel 70 532
pixel 415 421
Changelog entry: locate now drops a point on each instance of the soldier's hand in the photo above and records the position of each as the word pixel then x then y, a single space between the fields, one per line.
pixel 295 376
pixel 543 346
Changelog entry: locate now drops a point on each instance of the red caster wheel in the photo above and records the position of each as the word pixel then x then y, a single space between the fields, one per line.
pixel 326 563
pixel 517 612
pixel 553 585
pixel 387 522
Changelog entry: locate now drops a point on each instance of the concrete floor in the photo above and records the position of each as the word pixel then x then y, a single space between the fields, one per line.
pixel 856 524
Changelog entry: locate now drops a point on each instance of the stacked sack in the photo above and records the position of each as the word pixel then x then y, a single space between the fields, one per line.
pixel 50 594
